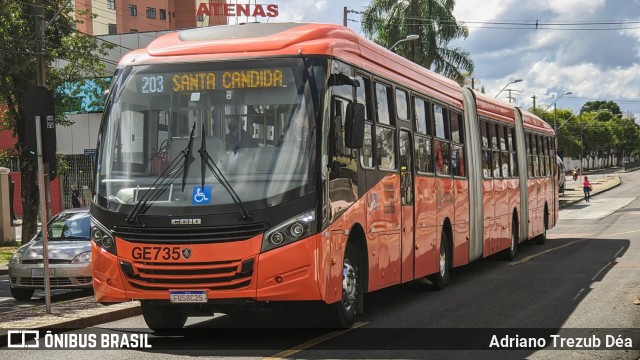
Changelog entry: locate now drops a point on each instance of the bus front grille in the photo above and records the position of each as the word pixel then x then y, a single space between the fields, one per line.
pixel 220 275
pixel 191 234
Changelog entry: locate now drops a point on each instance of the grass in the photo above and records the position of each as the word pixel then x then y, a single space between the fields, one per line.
pixel 6 251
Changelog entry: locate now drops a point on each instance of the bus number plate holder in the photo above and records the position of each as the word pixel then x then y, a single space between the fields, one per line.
pixel 187 296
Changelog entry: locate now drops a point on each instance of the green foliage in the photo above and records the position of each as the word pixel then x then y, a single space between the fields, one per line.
pixel 75 55
pixel 596 127
pixel 387 21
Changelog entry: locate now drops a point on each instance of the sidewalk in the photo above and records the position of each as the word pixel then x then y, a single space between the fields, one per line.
pixel 600 182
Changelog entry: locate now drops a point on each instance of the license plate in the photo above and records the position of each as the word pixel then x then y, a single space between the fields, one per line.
pixel 190 296
pixel 39 273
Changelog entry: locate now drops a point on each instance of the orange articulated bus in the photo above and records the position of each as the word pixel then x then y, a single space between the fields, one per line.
pixel 266 163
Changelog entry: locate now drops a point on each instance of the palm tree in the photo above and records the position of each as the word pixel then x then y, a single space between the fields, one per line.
pixel 387 21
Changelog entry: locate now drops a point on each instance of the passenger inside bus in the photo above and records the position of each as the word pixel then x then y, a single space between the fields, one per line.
pixel 237 136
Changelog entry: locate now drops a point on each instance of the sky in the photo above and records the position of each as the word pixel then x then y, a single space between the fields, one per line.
pixel 590 48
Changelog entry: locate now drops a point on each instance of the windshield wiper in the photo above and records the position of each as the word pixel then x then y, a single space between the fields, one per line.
pixel 187 155
pixel 164 180
pixel 207 161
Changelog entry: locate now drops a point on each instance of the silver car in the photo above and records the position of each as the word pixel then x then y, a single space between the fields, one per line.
pixel 69 256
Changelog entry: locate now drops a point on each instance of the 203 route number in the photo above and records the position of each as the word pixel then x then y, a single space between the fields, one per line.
pixel 156 253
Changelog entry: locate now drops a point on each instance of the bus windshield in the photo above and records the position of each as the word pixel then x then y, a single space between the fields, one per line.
pixel 258 120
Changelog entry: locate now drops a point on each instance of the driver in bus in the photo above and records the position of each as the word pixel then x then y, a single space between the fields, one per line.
pixel 237 136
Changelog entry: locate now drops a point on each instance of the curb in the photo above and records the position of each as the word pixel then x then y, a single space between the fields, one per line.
pixel 78 323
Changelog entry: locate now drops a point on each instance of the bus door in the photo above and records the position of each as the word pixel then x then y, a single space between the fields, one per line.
pixel 406 200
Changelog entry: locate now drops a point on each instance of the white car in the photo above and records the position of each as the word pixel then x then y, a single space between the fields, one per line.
pixel 69 244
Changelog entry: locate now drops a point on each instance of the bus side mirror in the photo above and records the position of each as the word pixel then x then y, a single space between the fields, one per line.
pixel 354 126
pixel 342 79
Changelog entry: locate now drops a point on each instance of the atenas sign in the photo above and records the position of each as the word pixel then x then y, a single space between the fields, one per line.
pixel 221 9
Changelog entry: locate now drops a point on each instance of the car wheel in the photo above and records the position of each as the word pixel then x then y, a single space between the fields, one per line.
pixel 162 317
pixel 22 294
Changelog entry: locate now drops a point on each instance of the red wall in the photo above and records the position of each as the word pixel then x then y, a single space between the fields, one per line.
pixel 7 141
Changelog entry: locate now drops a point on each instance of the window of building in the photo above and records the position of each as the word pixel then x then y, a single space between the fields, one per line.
pixel 113 29
pixel 111 4
pixel 133 10
pixel 151 13
pixel 163 14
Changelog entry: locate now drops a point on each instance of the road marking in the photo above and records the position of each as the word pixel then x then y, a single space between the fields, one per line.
pixel 578 294
pixel 543 252
pixel 599 271
pixel 296 349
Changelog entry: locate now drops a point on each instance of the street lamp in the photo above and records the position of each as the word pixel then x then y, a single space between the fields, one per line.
pixel 555 109
pixel 512 82
pixel 558 98
pixel 408 38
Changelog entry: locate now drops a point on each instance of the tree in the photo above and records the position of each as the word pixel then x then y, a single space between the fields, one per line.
pixel 80 55
pixel 387 21
pixel 606 106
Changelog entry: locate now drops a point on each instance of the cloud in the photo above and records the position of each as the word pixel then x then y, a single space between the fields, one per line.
pixel 580 46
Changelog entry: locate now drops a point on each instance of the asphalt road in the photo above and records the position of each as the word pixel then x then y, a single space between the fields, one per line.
pixel 581 284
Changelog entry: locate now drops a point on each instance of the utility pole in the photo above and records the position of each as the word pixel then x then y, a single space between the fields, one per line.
pixel 41 27
pixel 510 97
pixel 39 12
pixel 345 15
pixel 344 18
pixel 534 102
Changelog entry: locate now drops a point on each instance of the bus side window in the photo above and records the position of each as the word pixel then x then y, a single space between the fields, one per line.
pixel 363 96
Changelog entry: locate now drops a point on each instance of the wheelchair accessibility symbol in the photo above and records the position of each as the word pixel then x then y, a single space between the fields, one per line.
pixel 201 195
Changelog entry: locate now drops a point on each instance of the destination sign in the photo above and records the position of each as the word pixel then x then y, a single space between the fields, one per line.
pixel 210 80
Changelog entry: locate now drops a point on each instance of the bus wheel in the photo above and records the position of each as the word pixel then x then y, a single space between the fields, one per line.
pixel 511 253
pixel 542 238
pixel 162 318
pixel 344 311
pixel 441 279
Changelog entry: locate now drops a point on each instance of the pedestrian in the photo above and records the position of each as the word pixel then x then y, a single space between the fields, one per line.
pixel 586 187
pixel 76 199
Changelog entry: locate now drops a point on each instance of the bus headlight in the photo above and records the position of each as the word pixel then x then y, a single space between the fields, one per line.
pixel 103 238
pixel 290 231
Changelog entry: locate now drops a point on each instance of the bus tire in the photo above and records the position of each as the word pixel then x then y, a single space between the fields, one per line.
pixel 21 294
pixel 542 238
pixel 511 252
pixel 162 317
pixel 442 278
pixel 344 311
